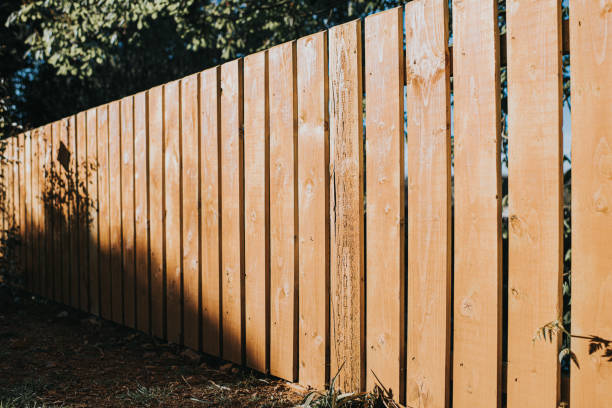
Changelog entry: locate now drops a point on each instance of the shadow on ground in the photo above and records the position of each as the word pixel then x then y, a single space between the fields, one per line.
pixel 51 355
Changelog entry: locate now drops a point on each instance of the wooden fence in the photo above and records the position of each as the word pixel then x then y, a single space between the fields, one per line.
pixel 227 210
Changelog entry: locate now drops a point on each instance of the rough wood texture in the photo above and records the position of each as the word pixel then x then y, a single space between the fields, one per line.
pixel 81 221
pixel 23 208
pixel 232 210
pixel 114 170
pixel 385 318
pixel 283 212
pixel 172 211
pixel 210 125
pixel 313 206
pixel 63 214
pixel 92 195
pixel 127 210
pixel 56 218
pixel 347 295
pixel 36 213
pixel 429 217
pixel 156 210
pixel 73 214
pixel 28 211
pixel 256 207
pixel 478 275
pixel 103 213
pixel 141 219
pixel 591 29
pixel 45 260
pixel 190 153
pixel 535 250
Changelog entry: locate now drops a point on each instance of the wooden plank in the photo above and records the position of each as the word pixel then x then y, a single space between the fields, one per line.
pixel 210 125
pixel 92 196
pixel 429 218
pixel 256 207
pixel 385 318
pixel 52 207
pixel 232 210
pixel 16 186
pixel 48 210
pixel 35 242
pixel 172 207
pixel 283 212
pixel 591 196
pixel 127 211
pixel 313 198
pixel 114 169
pixel 82 210
pixel 28 211
pixel 478 275
pixel 347 292
pixel 535 251
pixel 190 154
pixel 46 278
pixel 104 213
pixel 141 198
pixel 156 209
pixel 23 209
pixel 73 215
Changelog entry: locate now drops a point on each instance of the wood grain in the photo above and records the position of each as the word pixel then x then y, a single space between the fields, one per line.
pixel 45 258
pixel 141 206
pixel 28 211
pixel 256 208
pixel 478 275
pixel 232 210
pixel 172 211
pixel 156 209
pixel 127 211
pixel 73 214
pixel 429 215
pixel 93 226
pixel 114 169
pixel 283 212
pixel 190 154
pixel 535 249
pixel 385 318
pixel 55 214
pixel 347 295
pixel 23 206
pixel 313 205
pixel 104 213
pixel 591 57
pixel 81 221
pixel 210 125
pixel 35 241
pixel 64 214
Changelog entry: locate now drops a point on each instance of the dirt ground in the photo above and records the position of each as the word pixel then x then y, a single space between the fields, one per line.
pixel 51 355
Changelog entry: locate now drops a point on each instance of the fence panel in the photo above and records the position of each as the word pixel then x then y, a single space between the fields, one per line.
pixel 190 154
pixel 256 209
pixel 232 209
pixel 91 161
pixel 478 285
pixel 104 213
pixel 283 212
pixel 56 213
pixel 82 209
pixel 210 137
pixel 156 210
pixel 347 295
pixel 385 317
pixel 535 199
pixel 45 259
pixel 127 210
pixel 429 216
pixel 114 170
pixel 591 194
pixel 313 199
pixel 23 207
pixel 73 241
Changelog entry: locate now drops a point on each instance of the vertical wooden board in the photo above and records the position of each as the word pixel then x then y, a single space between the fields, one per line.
pixel 16 193
pixel 104 247
pixel 210 125
pixel 127 210
pixel 114 169
pixel 283 212
pixel 35 242
pixel 57 213
pixel 93 208
pixel 82 211
pixel 50 258
pixel 21 146
pixel 28 211
pixel 591 47
pixel 232 210
pixel 478 278
pixel 63 180
pixel 384 86
pixel 172 206
pixel 346 207
pixel 46 283
pixel 53 258
pixel 313 205
pixel 73 214
pixel 535 240
pixel 141 197
pixel 256 207
pixel 190 147
pixel 429 216
pixel 156 208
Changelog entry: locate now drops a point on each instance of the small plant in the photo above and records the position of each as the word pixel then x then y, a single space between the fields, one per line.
pixel 146 396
